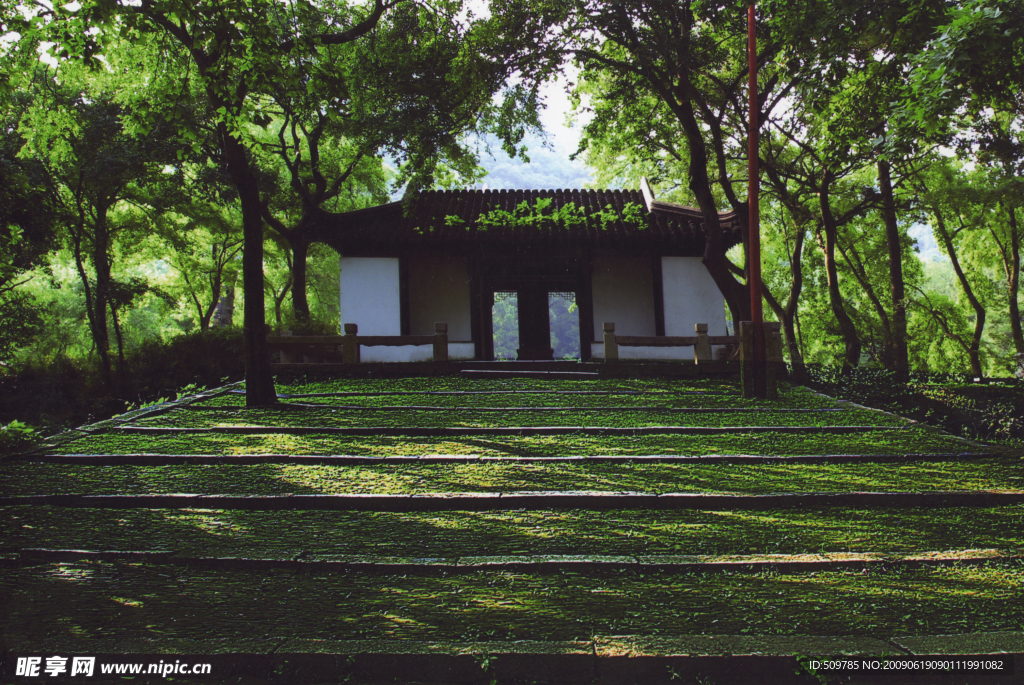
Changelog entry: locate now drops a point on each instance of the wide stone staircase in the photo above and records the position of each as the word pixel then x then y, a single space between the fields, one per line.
pixel 509 529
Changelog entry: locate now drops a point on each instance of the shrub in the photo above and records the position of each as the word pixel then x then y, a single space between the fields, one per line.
pixel 16 437
pixel 71 392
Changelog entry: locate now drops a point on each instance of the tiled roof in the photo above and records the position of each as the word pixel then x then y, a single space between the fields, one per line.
pixel 439 217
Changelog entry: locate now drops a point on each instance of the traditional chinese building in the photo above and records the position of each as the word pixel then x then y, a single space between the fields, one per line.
pixel 623 256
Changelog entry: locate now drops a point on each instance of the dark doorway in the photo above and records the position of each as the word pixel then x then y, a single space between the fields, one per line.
pixel 549 294
pixel 505 324
pixel 564 324
pixel 534 324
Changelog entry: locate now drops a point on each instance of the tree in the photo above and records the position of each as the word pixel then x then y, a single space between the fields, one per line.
pixel 239 51
pixel 680 65
pixel 318 170
pixel 971 76
pixel 91 164
pixel 205 240
pixel 331 136
pixel 28 226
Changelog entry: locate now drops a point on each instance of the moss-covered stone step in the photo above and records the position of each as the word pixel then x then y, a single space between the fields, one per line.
pixel 452 431
pixel 114 600
pixel 524 563
pixel 491 501
pixel 509 392
pixel 539 398
pixel 286 534
pixel 154 459
pixel 894 441
pixel 509 417
pixel 455 383
pixel 1004 474
pixel 413 408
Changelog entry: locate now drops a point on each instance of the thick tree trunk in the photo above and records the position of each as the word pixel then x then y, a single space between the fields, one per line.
pixel 897 355
pixel 300 251
pixel 259 382
pixel 851 355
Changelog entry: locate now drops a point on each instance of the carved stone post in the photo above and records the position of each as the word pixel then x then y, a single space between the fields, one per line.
pixel 440 342
pixel 747 357
pixel 773 358
pixel 702 350
pixel 350 344
pixel 611 346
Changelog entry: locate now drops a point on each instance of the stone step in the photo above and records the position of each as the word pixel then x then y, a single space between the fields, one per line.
pixel 285 406
pixel 610 627
pixel 500 374
pixel 497 430
pixel 156 459
pixel 288 534
pixel 500 501
pixel 521 563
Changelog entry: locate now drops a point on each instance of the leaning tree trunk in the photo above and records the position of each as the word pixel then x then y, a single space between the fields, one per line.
pixel 737 295
pixel 259 382
pixel 897 353
pixel 851 355
pixel 788 313
pixel 974 349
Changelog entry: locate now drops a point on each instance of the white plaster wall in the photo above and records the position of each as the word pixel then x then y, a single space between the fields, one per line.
pixel 623 290
pixel 370 295
pixel 672 353
pixel 414 353
pixel 439 291
pixel 675 353
pixel 397 353
pixel 690 297
pixel 461 350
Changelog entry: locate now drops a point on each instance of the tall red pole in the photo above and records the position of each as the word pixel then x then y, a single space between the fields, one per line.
pixel 753 190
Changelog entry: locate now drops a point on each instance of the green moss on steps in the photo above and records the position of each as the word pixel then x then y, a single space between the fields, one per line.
pixel 453 534
pixel 107 599
pixel 462 418
pixel 989 474
pixel 883 442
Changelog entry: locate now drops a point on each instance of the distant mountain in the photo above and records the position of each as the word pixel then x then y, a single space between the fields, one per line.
pixel 548 169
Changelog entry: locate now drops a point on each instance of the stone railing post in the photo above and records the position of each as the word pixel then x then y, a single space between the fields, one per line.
pixel 611 346
pixel 702 350
pixel 350 345
pixel 440 342
pixel 773 358
pixel 747 358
